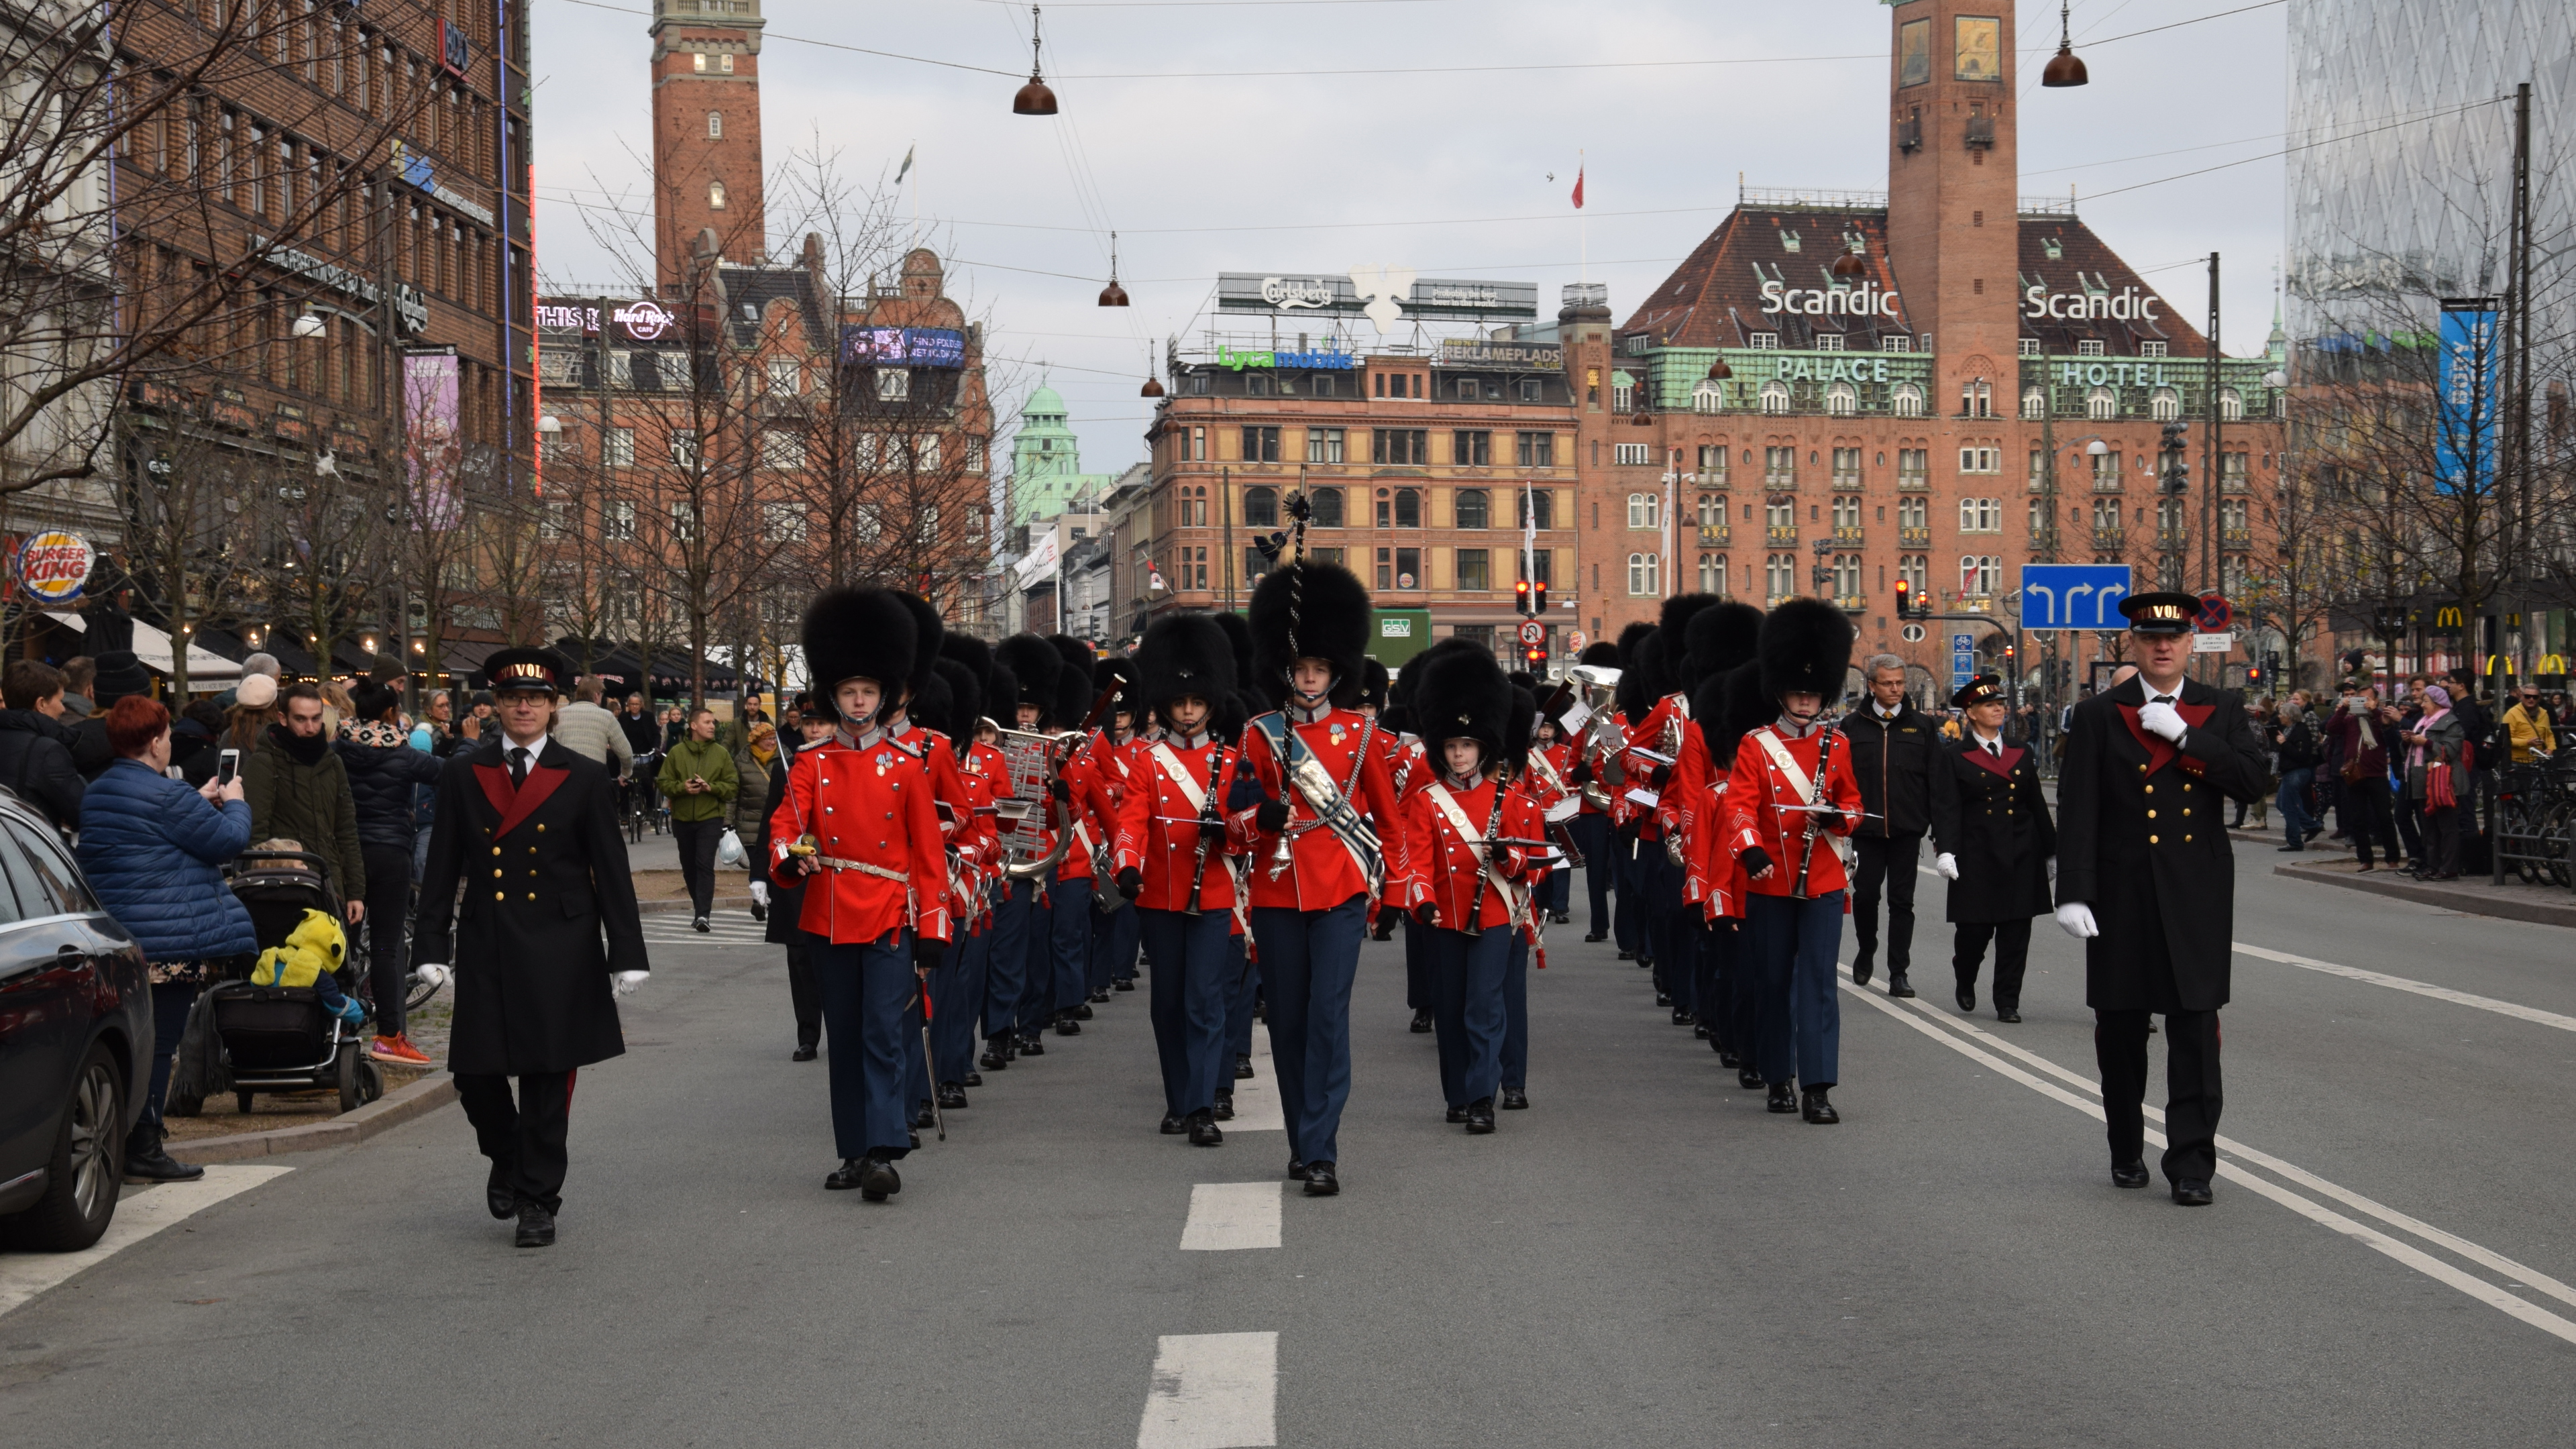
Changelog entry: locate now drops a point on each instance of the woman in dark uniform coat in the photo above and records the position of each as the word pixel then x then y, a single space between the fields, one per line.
pixel 1994 840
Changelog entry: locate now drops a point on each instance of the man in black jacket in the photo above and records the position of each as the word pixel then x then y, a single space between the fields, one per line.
pixel 1892 745
pixel 35 749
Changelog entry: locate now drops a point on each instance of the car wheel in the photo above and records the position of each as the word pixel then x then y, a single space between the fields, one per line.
pixel 87 1167
pixel 241 1102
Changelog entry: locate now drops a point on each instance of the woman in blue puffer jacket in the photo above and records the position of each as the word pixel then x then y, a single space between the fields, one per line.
pixel 150 847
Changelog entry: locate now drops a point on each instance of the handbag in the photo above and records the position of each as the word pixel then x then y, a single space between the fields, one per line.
pixel 2437 788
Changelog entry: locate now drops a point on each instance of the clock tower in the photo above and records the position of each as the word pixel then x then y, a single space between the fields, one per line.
pixel 1953 234
pixel 706 131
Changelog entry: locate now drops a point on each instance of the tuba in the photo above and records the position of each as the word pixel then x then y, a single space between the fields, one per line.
pixel 1035 760
pixel 1671 740
pixel 1600 741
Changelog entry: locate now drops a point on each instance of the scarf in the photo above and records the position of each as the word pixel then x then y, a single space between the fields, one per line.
pixel 377 736
pixel 302 749
pixel 2360 711
pixel 2424 726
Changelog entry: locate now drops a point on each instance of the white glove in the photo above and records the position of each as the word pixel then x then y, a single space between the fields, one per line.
pixel 2077 920
pixel 1947 864
pixel 628 981
pixel 760 893
pixel 432 975
pixel 2162 719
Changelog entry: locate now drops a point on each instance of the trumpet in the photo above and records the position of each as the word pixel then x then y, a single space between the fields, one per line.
pixel 1672 743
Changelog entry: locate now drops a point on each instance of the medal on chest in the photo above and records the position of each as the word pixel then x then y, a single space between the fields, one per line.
pixel 884 761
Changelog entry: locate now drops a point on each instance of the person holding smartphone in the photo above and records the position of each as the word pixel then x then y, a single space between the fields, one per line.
pixel 699 777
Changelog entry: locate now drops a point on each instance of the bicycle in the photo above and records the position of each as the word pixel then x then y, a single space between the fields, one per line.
pixel 2536 815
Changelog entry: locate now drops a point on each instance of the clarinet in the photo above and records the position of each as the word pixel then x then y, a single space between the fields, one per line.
pixel 1807 843
pixel 1207 812
pixel 1485 873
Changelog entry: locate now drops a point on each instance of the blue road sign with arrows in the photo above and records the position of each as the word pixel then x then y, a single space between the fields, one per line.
pixel 2073 596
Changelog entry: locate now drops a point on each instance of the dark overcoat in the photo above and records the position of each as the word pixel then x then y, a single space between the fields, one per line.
pixel 1988 812
pixel 786 903
pixel 2141 838
pixel 528 898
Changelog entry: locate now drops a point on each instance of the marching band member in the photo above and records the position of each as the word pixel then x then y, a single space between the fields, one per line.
pixel 1329 839
pixel 1069 910
pixel 1654 747
pixel 1992 840
pixel 1717 640
pixel 958 698
pixel 1790 790
pixel 1591 823
pixel 1171 848
pixel 1115 933
pixel 1519 743
pixel 1461 882
pixel 1018 978
pixel 859 819
pixel 1557 896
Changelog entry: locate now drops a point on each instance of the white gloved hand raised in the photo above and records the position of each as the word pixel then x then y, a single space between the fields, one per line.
pixel 1947 864
pixel 760 893
pixel 432 975
pixel 2162 719
pixel 628 981
pixel 2077 920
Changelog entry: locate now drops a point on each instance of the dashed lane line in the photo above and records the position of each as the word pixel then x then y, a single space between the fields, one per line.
pixel 1213 1391
pixel 139 1215
pixel 1955 1035
pixel 1225 1216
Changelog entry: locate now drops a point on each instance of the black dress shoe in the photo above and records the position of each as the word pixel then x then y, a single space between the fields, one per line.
pixel 1683 1018
pixel 924 1117
pixel 1861 971
pixel 1097 998
pixel 1457 1114
pixel 1225 1106
pixel 2191 1192
pixel 1784 1098
pixel 878 1180
pixel 1627 955
pixel 698 925
pixel 1122 984
pixel 1598 936
pixel 993 1061
pixel 912 1137
pixel 1898 986
pixel 1174 1124
pixel 1560 918
pixel 1514 1100
pixel 1749 1079
pixel 1967 997
pixel 803 1053
pixel 1203 1129
pixel 1663 998
pixel 1421 1023
pixel 498 1195
pixel 537 1226
pixel 147 1161
pixel 846 1176
pixel 973 1079
pixel 1032 1045
pixel 1320 1181
pixel 2129 1174
pixel 1699 1030
pixel 1242 1067
pixel 951 1096
pixel 1816 1109
pixel 1645 962
pixel 1480 1116
pixel 1728 1059
pixel 1296 1170
pixel 1065 1025
pixel 2008 1015
pixel 1083 1012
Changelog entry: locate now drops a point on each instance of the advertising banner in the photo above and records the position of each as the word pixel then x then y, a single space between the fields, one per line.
pixel 433 445
pixel 53 566
pixel 903 346
pixel 2464 445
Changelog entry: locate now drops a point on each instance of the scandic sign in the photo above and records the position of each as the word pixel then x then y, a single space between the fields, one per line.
pixel 1865 300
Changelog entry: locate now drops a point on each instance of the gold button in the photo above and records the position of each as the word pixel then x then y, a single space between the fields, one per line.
pixel 496 875
pixel 2151 840
pixel 499 896
pixel 541 829
pixel 2151 789
pixel 2186 840
pixel 2151 815
pixel 496 850
pixel 2186 810
pixel 532 895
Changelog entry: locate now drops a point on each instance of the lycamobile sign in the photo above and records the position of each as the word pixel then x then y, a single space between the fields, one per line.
pixel 1327 358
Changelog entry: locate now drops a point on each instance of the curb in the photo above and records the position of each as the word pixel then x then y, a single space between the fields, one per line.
pixel 389 1111
pixel 2536 912
pixel 681 907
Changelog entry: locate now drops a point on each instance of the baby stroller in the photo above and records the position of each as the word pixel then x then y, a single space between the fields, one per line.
pixel 280 1038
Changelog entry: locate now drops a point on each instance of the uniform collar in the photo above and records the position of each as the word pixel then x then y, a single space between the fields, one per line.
pixel 841 733
pixel 1180 741
pixel 1791 729
pixel 1300 714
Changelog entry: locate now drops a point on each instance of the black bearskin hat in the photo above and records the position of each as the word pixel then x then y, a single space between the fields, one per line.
pixel 1332 621
pixel 1600 654
pixel 929 632
pixel 932 705
pixel 965 703
pixel 1519 731
pixel 977 657
pixel 1635 634
pixel 1373 683
pixel 1523 679
pixel 1001 687
pixel 1118 672
pixel 1074 690
pixel 855 633
pixel 1228 715
pixel 1635 694
pixel 1718 638
pixel 1462 694
pixel 1184 653
pixel 1238 637
pixel 1727 704
pixel 1806 644
pixel 1034 665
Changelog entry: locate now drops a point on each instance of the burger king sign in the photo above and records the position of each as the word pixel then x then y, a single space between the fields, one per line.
pixel 53 566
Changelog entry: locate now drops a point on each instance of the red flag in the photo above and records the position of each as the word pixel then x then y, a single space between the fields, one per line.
pixel 1578 189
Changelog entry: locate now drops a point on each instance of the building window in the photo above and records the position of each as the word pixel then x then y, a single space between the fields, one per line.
pixel 782 451
pixel 1981 515
pixel 1906 400
pixel 1707 397
pixel 2090 347
pixel 2030 347
pixel 1976 399
pixel 1623 393
pixel 1712 464
pixel 716 195
pixel 617 448
pixel 1326 504
pixel 1781 517
pixel 1401 446
pixel 1255 564
pixel 2151 349
pixel 1408 508
pixel 2101 405
pixel 1261 507
pixel 684 520
pixel 1261 445
pixel 1535 450
pixel 1408 568
pixel 1847 514
pixel 1195 568
pixel 894 384
pixel 684 449
pixel 783 522
pixel 974 453
pixel 1532 389
pixel 2231 405
pixel 2034 403
pixel 1712 573
pixel 786 378
pixel 2106 472
pixel 1537 501
pixel 1538 565
pixel 1847 578
pixel 715 125
pixel 1256 384
pixel 1775 396
pixel 1841 400
pixel 1916 570
pixel 1323 445
pixel 1471 449
pixel 1981 460
pixel 1977 575
pixel 2164 405
pixel 1780 576
pixel 1645 572
pixel 1633 455
pixel 1645 510
pixel 1847 468
pixel 1765 342
pixel 1896 344
pixel 1471 506
pixel 1194 506
pixel 1198 445
pixel 620 522
pixel 1829 342
pixel 1474 574
pixel 1779 467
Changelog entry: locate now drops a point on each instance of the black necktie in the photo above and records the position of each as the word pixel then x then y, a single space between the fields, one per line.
pixel 518 766
pixel 2164 699
pixel 1995 748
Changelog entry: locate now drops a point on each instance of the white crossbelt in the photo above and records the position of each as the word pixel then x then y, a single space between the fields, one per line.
pixel 1467 831
pixel 1787 764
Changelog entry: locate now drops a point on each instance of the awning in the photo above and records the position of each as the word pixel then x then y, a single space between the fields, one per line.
pixel 207 673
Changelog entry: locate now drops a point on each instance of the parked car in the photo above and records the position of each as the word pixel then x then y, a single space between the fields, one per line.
pixel 75 1042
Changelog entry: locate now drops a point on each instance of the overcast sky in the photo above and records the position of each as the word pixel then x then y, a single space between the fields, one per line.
pixel 1434 149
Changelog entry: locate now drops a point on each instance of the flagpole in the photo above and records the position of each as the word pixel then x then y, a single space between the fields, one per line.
pixel 1583 223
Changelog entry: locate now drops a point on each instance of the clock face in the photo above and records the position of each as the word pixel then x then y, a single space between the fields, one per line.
pixel 1977 48
pixel 1914 52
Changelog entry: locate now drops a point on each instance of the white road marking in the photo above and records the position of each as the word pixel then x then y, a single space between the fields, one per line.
pixel 1256 1097
pixel 138 1216
pixel 2419 988
pixel 1230 1215
pixel 1929 1022
pixel 1213 1391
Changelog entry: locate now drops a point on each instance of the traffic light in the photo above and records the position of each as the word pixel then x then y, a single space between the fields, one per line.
pixel 1904 599
pixel 1538 600
pixel 1521 598
pixel 1536 656
pixel 2253 675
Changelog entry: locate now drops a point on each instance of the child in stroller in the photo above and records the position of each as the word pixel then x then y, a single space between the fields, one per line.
pixel 312 956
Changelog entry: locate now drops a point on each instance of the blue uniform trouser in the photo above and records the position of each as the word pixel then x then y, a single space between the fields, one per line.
pixel 867 999
pixel 1418 992
pixel 1800 1023
pixel 955 989
pixel 1627 919
pixel 1556 894
pixel 1242 993
pixel 1308 961
pixel 1592 836
pixel 1468 971
pixel 1071 939
pixel 1659 891
pixel 1113 946
pixel 1007 965
pixel 1712 984
pixel 1037 950
pixel 1190 990
pixel 1516 1016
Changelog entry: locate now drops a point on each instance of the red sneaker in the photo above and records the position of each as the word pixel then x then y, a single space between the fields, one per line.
pixel 398 1051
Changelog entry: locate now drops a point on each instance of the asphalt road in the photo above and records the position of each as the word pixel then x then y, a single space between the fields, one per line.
pixel 1645 1257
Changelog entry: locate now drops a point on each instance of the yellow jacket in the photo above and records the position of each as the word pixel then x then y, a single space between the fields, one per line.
pixel 2528 730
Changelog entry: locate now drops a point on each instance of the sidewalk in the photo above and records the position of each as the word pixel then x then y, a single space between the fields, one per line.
pixel 2515 901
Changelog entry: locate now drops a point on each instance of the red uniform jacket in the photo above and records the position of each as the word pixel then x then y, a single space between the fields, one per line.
pixel 1440 866
pixel 1696 798
pixel 1080 815
pixel 1322 873
pixel 1158 833
pixel 868 803
pixel 1756 790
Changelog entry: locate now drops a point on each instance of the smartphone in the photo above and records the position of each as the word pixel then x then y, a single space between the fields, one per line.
pixel 227 765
